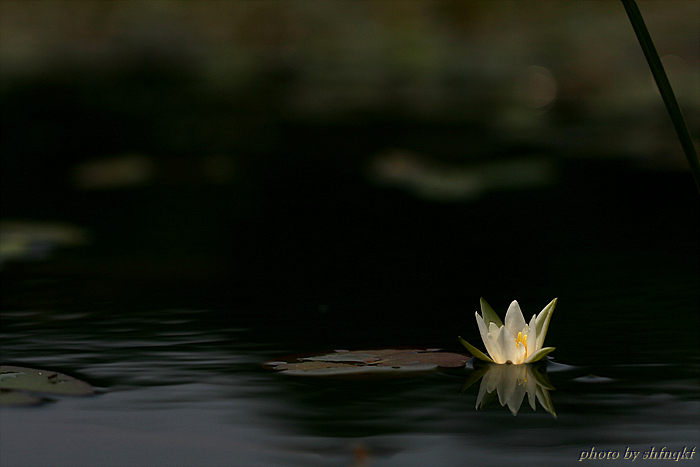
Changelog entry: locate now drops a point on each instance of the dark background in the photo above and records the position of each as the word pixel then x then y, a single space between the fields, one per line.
pixel 260 130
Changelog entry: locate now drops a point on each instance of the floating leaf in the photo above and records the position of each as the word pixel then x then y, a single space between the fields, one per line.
pixel 31 380
pixel 9 397
pixel 382 362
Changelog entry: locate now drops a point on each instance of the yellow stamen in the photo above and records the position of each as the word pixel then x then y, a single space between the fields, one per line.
pixel 521 340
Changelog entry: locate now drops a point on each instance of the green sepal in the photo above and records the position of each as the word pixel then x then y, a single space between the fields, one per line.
pixel 488 314
pixel 539 355
pixel 475 352
pixel 543 324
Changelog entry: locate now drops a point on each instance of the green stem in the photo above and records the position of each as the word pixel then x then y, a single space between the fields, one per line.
pixel 657 70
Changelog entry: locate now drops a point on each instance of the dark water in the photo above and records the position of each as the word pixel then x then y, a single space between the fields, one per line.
pixel 174 348
pixel 173 392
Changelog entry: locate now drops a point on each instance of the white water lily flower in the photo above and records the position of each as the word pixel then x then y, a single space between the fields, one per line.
pixel 515 341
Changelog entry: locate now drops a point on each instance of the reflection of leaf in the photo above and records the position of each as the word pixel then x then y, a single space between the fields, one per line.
pixel 382 361
pixel 474 376
pixel 41 381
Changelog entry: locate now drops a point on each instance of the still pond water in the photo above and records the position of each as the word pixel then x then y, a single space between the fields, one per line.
pixel 179 378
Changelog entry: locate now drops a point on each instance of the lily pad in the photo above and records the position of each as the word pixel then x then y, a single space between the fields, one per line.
pixel 18 398
pixel 15 380
pixel 380 362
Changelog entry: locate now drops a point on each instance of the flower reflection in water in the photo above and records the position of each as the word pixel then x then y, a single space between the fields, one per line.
pixel 511 383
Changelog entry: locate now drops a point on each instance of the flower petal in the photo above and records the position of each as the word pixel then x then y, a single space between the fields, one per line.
pixel 495 330
pixel 543 322
pixel 506 346
pixel 520 354
pixel 474 351
pixel 539 355
pixel 483 327
pixel 492 344
pixel 489 315
pixel 514 318
pixel 532 336
pixel 484 330
pixel 494 348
